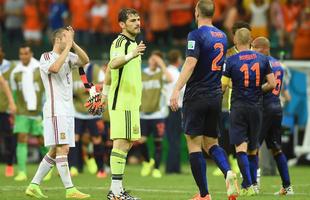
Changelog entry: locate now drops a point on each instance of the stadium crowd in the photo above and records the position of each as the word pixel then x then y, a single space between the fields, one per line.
pixel 165 22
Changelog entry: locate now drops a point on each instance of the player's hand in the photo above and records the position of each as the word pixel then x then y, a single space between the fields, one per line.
pixel 12 108
pixel 174 100
pixel 159 61
pixel 139 50
pixel 71 32
pixel 95 104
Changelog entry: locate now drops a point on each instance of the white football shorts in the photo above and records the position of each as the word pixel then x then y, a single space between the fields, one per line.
pixel 59 130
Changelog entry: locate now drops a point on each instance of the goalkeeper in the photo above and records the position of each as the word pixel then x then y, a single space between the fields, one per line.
pixel 124 97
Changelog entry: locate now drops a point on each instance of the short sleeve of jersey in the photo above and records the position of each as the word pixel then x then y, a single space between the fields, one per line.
pixel 193 48
pixel 227 69
pixel 117 49
pixel 74 59
pixel 46 62
pixel 268 69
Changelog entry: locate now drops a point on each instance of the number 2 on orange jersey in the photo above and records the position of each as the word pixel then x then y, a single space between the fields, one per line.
pixel 215 67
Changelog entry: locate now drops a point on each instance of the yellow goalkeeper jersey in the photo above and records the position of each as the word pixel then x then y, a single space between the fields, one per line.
pixel 126 84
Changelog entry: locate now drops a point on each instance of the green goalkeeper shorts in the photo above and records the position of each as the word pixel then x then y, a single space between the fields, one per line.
pixel 26 124
pixel 125 124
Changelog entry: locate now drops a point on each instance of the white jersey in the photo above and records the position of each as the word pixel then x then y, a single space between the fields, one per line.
pixel 58 86
pixel 170 86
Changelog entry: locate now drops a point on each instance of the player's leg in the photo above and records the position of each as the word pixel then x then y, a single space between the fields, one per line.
pixel 96 128
pixel 238 136
pixel 147 164
pixel 197 163
pixel 173 133
pixel 47 163
pixel 21 128
pixel 193 120
pixel 158 130
pixel 36 129
pixel 75 153
pixel 125 128
pixel 273 142
pixel 255 116
pixel 9 142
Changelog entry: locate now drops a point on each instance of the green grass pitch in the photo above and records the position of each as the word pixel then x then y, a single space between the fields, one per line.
pixel 170 187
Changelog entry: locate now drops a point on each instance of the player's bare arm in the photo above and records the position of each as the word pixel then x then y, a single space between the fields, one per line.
pixel 55 67
pixel 187 70
pixel 160 62
pixel 271 83
pixel 120 61
pixel 8 93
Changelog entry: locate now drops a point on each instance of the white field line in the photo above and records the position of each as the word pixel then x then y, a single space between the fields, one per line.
pixel 22 188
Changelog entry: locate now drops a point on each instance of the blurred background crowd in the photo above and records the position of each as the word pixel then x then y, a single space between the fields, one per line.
pixel 166 23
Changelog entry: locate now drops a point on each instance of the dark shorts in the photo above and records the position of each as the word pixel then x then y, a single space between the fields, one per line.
pixel 6 123
pixel 202 117
pixel 95 127
pixel 272 129
pixel 152 126
pixel 180 32
pixel 245 125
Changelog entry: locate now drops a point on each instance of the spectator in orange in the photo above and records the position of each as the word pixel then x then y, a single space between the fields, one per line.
pixel 291 10
pixel 98 14
pixel 220 12
pixel 80 19
pixel 142 6
pixel 259 22
pixel 159 24
pixel 302 42
pixel 236 12
pixel 32 23
pixel 180 17
pixel 114 6
pixel 13 10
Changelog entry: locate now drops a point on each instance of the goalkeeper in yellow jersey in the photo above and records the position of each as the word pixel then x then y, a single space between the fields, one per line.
pixel 123 86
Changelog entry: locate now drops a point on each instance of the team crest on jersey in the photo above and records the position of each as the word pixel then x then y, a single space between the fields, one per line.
pixel 191 44
pixel 136 129
pixel 62 136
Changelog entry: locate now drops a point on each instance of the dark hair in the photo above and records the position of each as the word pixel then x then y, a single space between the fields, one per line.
pixel 174 55
pixel 206 8
pixel 25 46
pixel 158 53
pixel 125 13
pixel 240 24
pixel 57 33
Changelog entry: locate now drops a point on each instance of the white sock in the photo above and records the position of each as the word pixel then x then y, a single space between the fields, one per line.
pixel 45 166
pixel 116 186
pixel 63 170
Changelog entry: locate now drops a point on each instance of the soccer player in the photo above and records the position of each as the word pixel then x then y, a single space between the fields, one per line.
pixel 153 111
pixel 201 73
pixel 224 123
pixel 272 116
pixel 6 106
pixel 58 112
pixel 247 70
pixel 124 85
pixel 86 123
pixel 27 85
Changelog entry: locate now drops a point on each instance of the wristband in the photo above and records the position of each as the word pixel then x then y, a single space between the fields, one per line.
pixel 106 90
pixel 128 56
